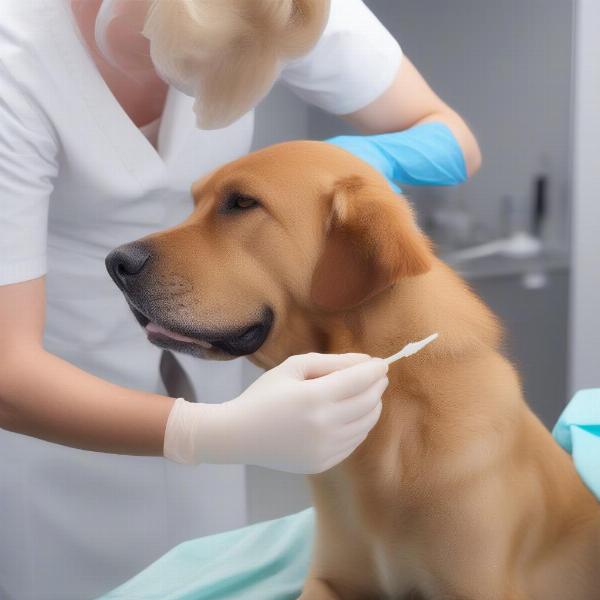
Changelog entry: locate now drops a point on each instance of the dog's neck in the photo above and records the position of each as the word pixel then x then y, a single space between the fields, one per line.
pixel 412 309
pixel 426 387
pixel 429 390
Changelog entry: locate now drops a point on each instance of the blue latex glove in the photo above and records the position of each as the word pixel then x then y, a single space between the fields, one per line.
pixel 265 561
pixel 423 155
pixel 578 432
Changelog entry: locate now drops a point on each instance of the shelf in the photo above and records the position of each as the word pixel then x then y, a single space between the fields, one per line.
pixel 506 266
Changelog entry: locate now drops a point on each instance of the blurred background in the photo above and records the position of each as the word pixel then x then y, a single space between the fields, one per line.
pixel 507 67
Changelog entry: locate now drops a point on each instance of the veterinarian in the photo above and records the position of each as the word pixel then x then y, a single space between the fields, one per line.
pixel 102 132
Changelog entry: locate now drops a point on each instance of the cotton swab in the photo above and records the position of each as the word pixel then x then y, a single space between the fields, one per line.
pixel 410 349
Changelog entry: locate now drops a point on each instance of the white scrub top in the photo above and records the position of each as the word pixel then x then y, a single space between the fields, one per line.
pixel 78 178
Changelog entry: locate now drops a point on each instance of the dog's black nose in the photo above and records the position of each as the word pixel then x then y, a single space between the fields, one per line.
pixel 126 262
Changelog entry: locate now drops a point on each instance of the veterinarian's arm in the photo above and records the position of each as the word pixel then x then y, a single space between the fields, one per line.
pixel 409 102
pixel 358 71
pixel 46 397
pixel 305 416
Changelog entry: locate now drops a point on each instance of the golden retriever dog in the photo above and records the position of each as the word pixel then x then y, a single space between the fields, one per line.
pixel 459 492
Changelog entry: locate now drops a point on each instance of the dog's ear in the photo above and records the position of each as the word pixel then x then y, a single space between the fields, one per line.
pixel 371 241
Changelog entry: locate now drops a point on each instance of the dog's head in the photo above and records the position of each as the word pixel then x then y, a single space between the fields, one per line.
pixel 279 238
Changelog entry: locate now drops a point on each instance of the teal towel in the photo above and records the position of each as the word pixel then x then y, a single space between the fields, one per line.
pixel 578 432
pixel 265 561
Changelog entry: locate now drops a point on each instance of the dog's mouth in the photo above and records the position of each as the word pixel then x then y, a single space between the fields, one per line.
pixel 208 343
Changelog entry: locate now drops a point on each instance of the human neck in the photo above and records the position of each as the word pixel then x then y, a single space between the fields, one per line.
pixel 137 88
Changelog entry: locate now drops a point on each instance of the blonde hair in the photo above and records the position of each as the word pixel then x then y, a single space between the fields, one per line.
pixel 228 53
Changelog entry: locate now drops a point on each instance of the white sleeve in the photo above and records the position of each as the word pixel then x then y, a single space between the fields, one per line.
pixel 353 63
pixel 27 167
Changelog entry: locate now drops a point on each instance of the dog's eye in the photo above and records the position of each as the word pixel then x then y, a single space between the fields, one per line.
pixel 236 201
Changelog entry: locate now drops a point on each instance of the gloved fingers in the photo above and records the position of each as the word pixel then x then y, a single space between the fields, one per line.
pixel 363 147
pixel 342 454
pixel 394 186
pixel 352 409
pixel 342 441
pixel 354 442
pixel 362 425
pixel 350 381
pixel 314 365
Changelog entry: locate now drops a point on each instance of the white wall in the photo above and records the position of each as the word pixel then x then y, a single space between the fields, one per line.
pixel 585 284
pixel 280 116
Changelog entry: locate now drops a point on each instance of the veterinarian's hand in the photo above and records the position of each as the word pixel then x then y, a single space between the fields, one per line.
pixel 426 154
pixel 304 416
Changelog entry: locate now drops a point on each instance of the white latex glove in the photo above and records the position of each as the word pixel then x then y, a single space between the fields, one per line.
pixel 304 416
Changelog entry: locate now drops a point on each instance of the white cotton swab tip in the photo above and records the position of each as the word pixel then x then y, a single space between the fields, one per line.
pixel 410 349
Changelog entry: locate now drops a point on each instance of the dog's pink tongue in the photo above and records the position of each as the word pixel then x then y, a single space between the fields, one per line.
pixel 154 328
